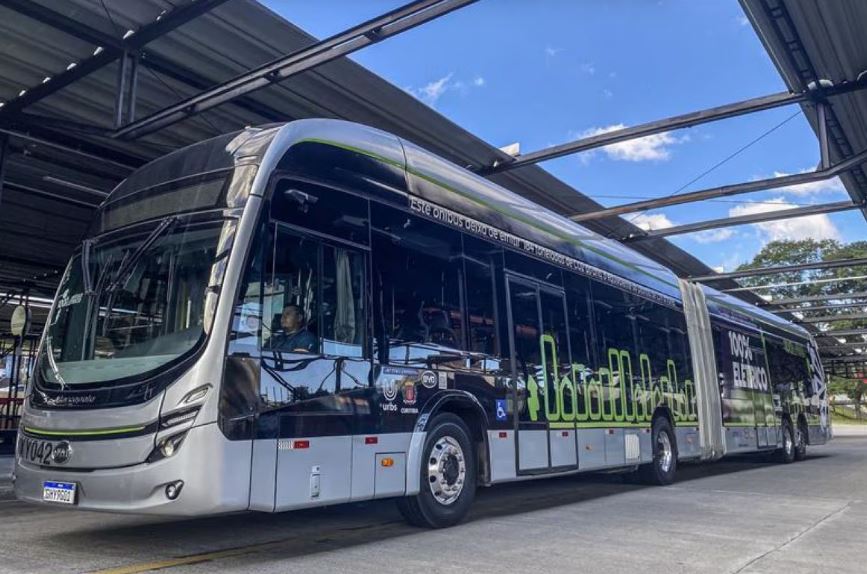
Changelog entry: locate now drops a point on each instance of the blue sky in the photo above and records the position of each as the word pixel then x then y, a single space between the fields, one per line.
pixel 541 73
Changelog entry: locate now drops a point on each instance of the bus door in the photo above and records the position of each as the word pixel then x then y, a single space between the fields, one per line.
pixel 760 408
pixel 763 406
pixel 539 350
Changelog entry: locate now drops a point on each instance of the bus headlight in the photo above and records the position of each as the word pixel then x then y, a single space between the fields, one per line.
pixel 167 447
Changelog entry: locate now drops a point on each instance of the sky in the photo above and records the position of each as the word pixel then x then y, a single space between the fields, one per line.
pixel 547 72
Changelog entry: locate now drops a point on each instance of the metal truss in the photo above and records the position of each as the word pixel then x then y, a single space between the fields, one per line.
pixel 820 307
pixel 691 119
pixel 342 44
pixel 109 49
pixel 813 298
pixel 727 190
pixel 746 219
pixel 832 318
pixel 829 264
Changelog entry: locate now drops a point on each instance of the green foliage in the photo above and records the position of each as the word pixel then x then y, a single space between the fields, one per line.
pixel 852 388
pixel 807 283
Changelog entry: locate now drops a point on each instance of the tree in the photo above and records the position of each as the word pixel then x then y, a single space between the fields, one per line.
pixel 855 389
pixel 811 282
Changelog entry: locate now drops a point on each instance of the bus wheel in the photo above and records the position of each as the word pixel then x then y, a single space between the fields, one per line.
pixel 448 476
pixel 661 471
pixel 786 454
pixel 801 442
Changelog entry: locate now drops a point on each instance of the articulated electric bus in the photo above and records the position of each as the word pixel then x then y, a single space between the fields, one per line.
pixel 320 312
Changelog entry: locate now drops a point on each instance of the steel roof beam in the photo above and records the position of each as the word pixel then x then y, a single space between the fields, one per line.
pixel 111 48
pixel 843 333
pixel 819 308
pixel 832 318
pixel 339 45
pixel 846 359
pixel 746 219
pixel 150 60
pixel 794 283
pixel 727 190
pixel 50 195
pixel 677 122
pixel 93 152
pixel 839 344
pixel 811 298
pixel 831 264
pixel 4 153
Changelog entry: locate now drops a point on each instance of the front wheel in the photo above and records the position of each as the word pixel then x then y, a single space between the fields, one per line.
pixel 447 476
pixel 661 471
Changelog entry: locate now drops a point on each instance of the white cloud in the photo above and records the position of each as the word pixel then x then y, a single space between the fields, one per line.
pixel 433 91
pixel 713 235
pixel 588 68
pixel 607 93
pixel 719 268
pixel 808 227
pixel 551 51
pixel 654 147
pixel 833 185
pixel 652 221
pixel 743 20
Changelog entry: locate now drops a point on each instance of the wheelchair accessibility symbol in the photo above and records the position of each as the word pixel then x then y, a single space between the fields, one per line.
pixel 501 409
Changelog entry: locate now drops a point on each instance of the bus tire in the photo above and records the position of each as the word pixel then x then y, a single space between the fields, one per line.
pixel 786 454
pixel 664 466
pixel 801 442
pixel 447 484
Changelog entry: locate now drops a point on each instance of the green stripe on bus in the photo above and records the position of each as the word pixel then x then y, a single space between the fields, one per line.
pixel 97 432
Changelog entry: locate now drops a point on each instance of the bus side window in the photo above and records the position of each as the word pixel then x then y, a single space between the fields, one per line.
pixel 247 318
pixel 418 277
pixel 290 321
pixel 344 330
pixel 484 338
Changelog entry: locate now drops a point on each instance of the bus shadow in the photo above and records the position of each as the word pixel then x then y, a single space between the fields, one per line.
pixel 265 537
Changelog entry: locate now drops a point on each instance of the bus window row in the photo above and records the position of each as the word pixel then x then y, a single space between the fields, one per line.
pixel 429 295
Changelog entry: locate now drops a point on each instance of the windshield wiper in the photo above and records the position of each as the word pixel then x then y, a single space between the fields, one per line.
pixel 86 249
pixel 49 352
pixel 128 263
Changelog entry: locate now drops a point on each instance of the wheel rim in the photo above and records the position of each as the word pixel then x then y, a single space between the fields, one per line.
pixel 447 470
pixel 788 443
pixel 666 453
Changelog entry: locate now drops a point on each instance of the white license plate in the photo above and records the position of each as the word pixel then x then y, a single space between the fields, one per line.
pixel 62 492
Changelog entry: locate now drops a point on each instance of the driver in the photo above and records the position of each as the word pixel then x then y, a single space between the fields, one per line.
pixel 294 337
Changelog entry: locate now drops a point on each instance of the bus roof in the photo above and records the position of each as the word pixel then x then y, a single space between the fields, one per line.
pixel 442 183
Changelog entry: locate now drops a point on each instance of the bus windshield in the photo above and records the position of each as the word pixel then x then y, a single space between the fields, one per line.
pixel 135 302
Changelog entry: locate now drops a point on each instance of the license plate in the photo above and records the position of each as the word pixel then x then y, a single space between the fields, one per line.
pixel 35 451
pixel 62 492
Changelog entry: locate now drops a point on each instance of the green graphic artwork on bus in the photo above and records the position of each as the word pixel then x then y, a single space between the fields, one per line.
pixel 616 394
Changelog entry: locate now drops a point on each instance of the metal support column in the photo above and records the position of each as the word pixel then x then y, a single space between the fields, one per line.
pixel 127 82
pixel 824 151
pixel 4 152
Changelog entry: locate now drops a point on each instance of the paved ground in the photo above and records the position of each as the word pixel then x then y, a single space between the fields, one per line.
pixel 5 476
pixel 850 430
pixel 744 515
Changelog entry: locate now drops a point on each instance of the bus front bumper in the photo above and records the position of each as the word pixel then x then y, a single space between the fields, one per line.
pixel 206 467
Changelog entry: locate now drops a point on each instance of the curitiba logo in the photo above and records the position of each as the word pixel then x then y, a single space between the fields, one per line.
pixel 616 394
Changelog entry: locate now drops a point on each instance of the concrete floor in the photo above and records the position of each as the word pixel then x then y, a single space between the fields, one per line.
pixel 743 515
